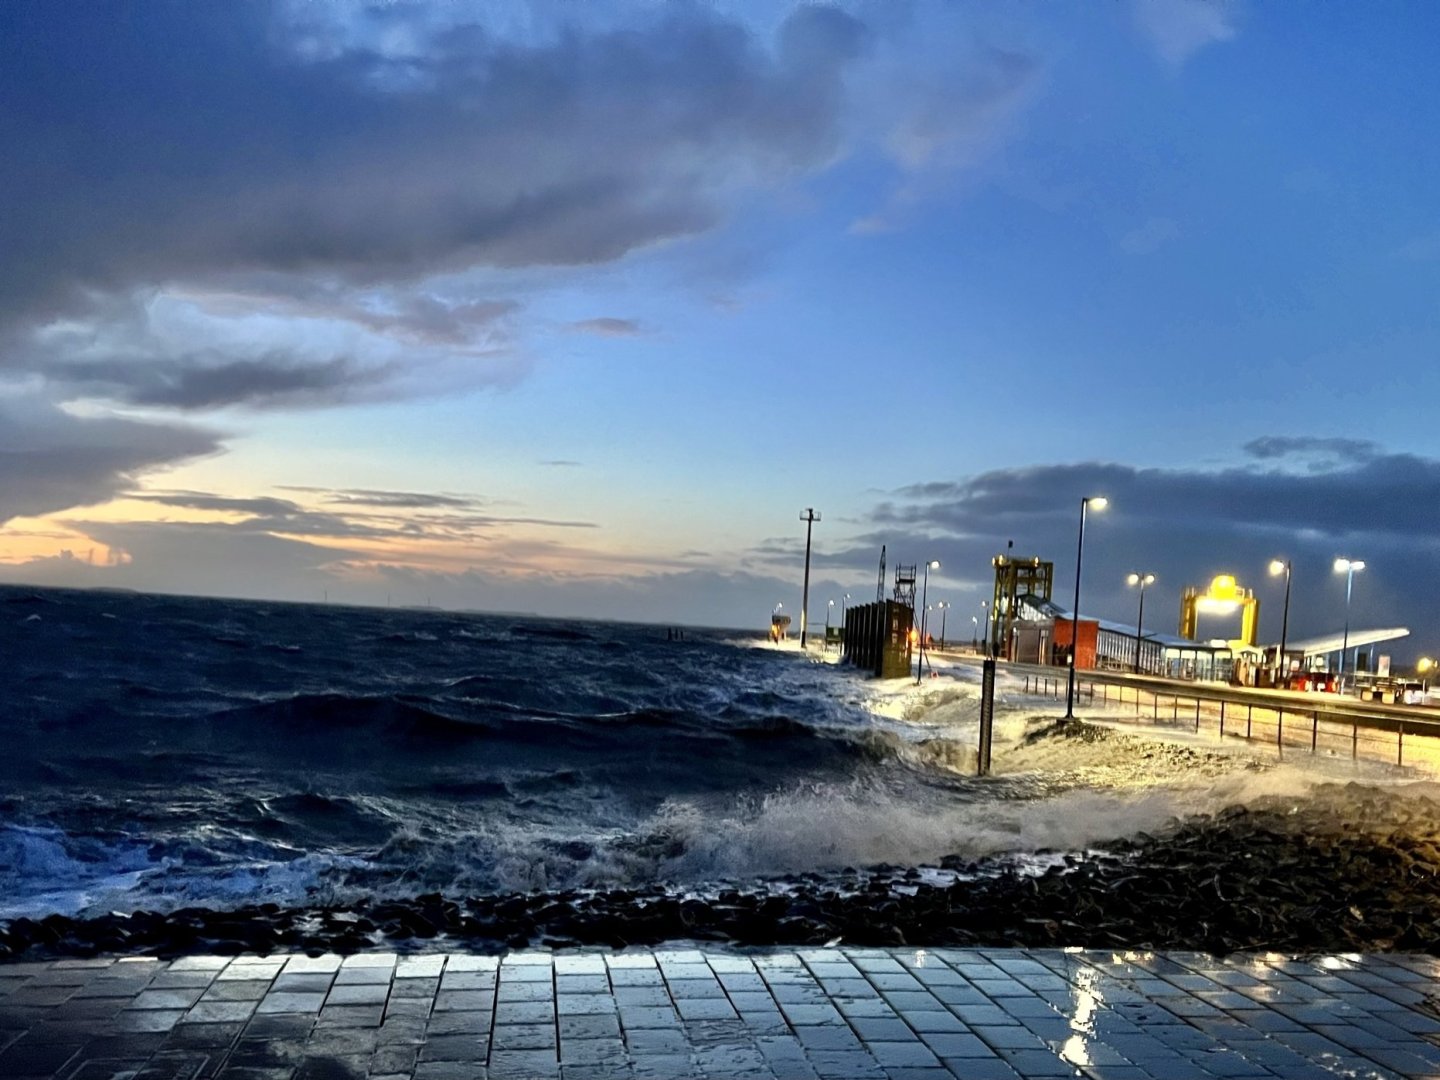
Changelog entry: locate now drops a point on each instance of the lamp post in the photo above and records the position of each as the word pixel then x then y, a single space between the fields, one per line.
pixel 829 607
pixel 1282 566
pixel 1141 580
pixel 809 516
pixel 933 564
pixel 975 640
pixel 1348 568
pixel 985 613
pixel 944 606
pixel 1099 502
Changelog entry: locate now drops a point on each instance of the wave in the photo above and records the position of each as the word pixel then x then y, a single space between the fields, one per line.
pixel 32 599
pixel 390 716
pixel 552 633
pixel 387 734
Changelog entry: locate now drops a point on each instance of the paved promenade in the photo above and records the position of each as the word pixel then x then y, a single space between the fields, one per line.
pixel 882 1013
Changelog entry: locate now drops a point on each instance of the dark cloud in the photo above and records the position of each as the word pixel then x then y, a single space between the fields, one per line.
pixel 212 381
pixel 51 459
pixel 1188 525
pixel 283 163
pixel 199 500
pixel 1394 494
pixel 607 327
pixel 776 547
pixel 354 514
pixel 139 160
pixel 400 500
pixel 427 502
pixel 417 318
pixel 1275 447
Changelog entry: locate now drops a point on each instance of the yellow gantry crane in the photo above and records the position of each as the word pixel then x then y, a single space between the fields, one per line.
pixel 1222 596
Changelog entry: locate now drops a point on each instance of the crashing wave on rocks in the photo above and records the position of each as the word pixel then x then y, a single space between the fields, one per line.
pixel 1352 868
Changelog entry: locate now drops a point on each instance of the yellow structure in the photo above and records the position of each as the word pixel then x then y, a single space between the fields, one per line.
pixel 1222 597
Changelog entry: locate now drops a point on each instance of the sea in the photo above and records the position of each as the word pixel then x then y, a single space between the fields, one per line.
pixel 161 752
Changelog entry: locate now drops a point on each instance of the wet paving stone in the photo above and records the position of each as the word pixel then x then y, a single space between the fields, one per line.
pixel 898 1014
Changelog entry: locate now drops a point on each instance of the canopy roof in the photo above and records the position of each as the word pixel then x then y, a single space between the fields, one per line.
pixel 1335 642
pixel 1318 646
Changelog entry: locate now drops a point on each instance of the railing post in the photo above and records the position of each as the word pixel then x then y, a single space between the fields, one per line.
pixel 987 716
pixel 1400 743
pixel 1155 701
pixel 1280 729
pixel 1314 730
pixel 1354 740
pixel 1249 715
pixel 1175 708
pixel 1222 721
pixel 1197 716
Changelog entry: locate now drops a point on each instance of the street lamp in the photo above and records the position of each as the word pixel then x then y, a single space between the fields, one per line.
pixel 1141 580
pixel 944 606
pixel 975 639
pixel 1099 502
pixel 1282 566
pixel 1348 568
pixel 985 612
pixel 829 607
pixel 933 564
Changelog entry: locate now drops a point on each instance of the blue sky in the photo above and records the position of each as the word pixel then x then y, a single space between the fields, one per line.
pixel 572 308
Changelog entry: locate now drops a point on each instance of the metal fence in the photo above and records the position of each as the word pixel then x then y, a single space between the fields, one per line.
pixel 1299 727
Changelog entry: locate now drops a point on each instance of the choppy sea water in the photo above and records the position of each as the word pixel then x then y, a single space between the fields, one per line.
pixel 161 752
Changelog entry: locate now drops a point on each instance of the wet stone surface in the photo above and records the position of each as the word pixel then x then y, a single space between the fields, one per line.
pixel 890 1014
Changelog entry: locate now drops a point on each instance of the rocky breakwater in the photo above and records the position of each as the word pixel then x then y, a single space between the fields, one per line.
pixel 1343 868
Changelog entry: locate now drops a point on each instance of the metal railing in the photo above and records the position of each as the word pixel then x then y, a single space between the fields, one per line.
pixel 1336 729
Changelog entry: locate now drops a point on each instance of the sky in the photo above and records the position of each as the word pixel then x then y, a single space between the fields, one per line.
pixel 574 308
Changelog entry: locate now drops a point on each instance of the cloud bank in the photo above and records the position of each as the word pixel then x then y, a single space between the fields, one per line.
pixel 1309 499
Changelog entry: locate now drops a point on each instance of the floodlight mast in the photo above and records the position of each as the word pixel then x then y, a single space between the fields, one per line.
pixel 1099 502
pixel 1347 567
pixel 933 564
pixel 1282 566
pixel 1141 580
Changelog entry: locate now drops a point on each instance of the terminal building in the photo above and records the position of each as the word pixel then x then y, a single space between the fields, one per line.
pixel 1042 635
pixel 1027 626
